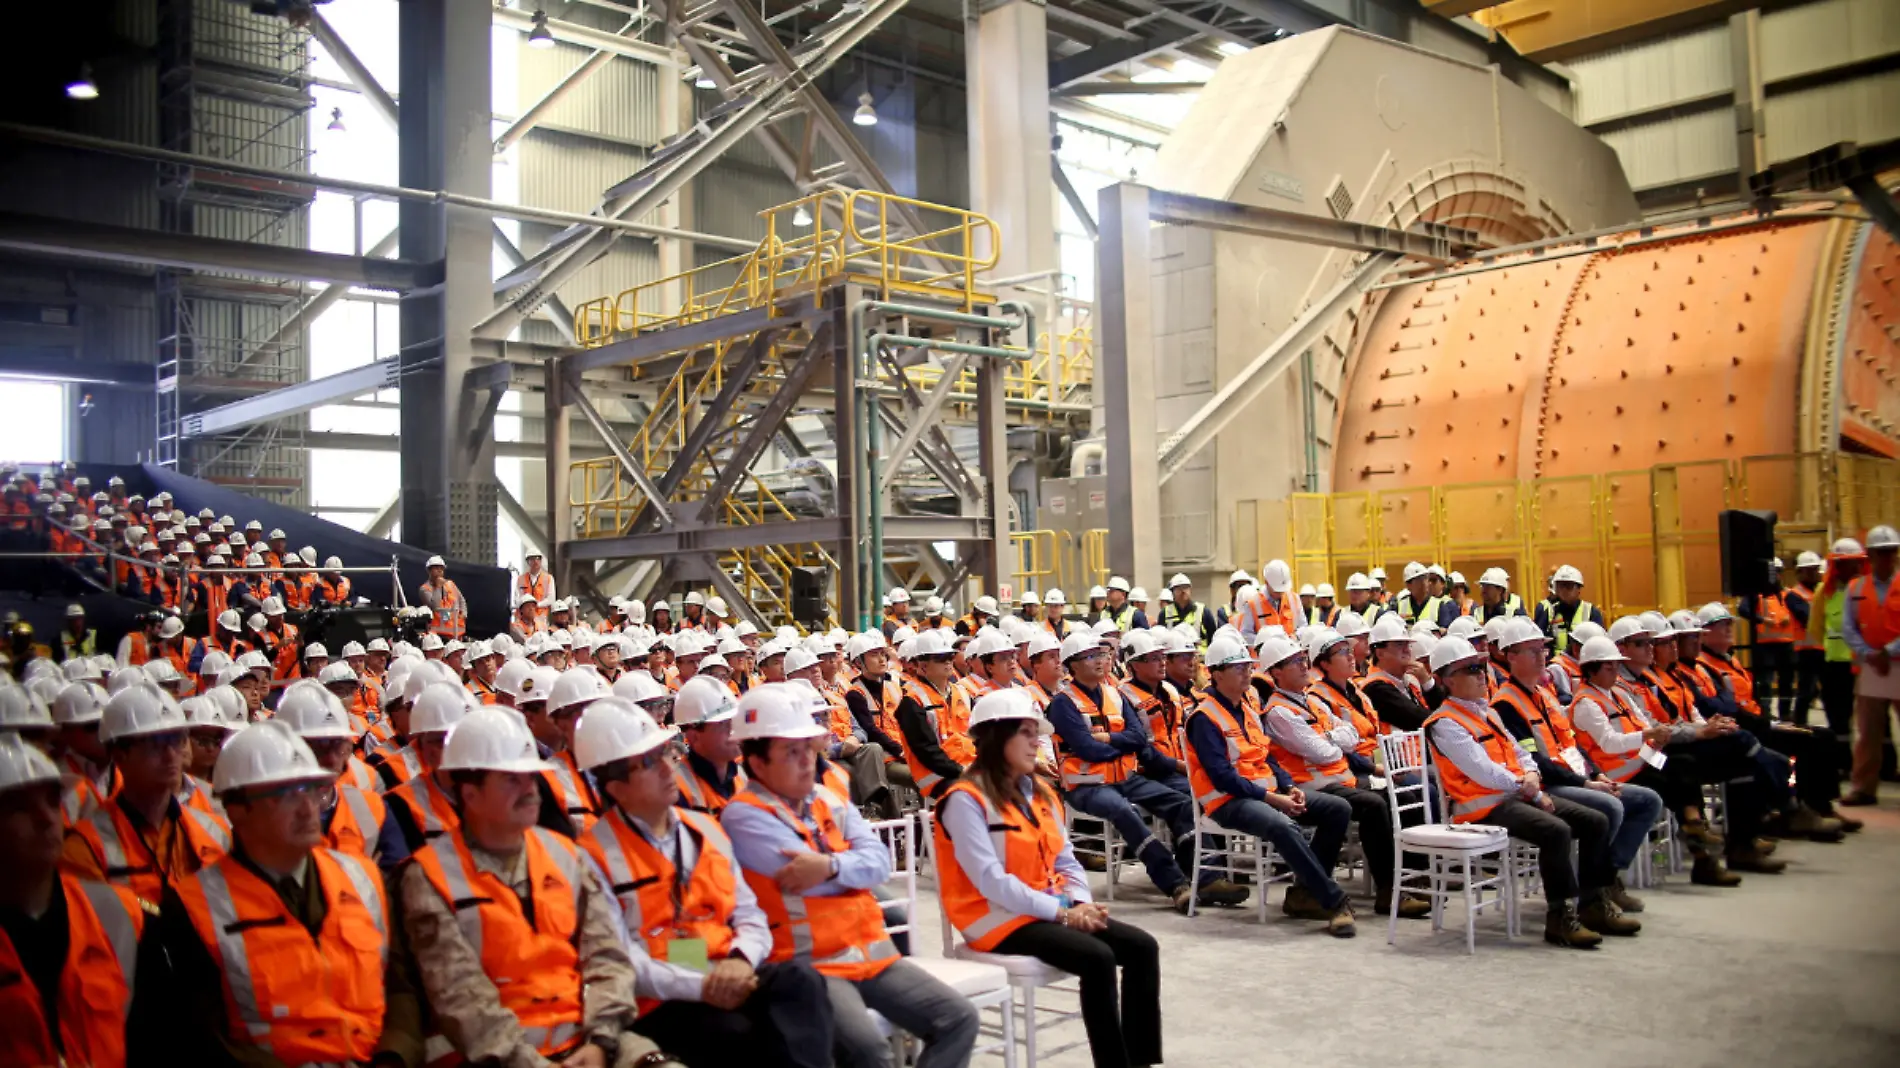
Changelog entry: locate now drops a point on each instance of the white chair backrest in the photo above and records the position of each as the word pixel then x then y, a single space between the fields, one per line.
pixel 900 838
pixel 1181 746
pixel 1405 753
pixel 949 933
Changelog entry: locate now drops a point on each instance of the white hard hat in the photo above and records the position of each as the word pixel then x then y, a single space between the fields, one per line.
pixel 267 754
pixel 1458 579
pixel 1567 573
pixel 139 710
pixel 704 699
pixel 1685 621
pixel 1278 576
pixel 1351 624
pixel 1495 576
pixel 988 642
pixel 1097 593
pixel 1492 630
pixel 1321 640
pixel 273 606
pixel 1413 570
pixel 1081 643
pixel 1106 626
pixel 772 711
pixel 22 764
pixel 798 659
pixel 254 660
pixel 1239 578
pixel 1658 624
pixel 1463 627
pixel 539 683
pixel 1038 641
pixel 933 605
pixel 735 647
pixel 695 598
pixel 1847 547
pixel 745 629
pixel 230 620
pixel 232 675
pixel 333 563
pixel 1139 595
pixel 1517 630
pixel 1055 596
pixel 1883 537
pixel 434 561
pixel 257 621
pixel 82 669
pixel 453 646
pixel 1358 580
pixel 21 709
pixel 1028 597
pixel 439 707
pixel 315 651
pixel 616 728
pixel 79 702
pixel 929 643
pixel 160 672
pixel 1179 580
pixel 1141 643
pixel 1599 649
pixel 820 645
pixel 512 674
pixel 377 645
pixel 338 672
pixel 575 686
pixel 716 607
pixel 1584 631
pixel 172 627
pixel 313 712
pixel 75 611
pixel 1714 612
pixel 1307 590
pixel 1325 590
pixel 1435 569
pixel 492 739
pixel 1011 703
pixel 1276 649
pixel 431 642
pixel 1451 651
pixel 1628 627
pixel 640 687
pixel 1224 651
pixel 1807 559
pixel 900 595
pixel 986 605
pixel 688 643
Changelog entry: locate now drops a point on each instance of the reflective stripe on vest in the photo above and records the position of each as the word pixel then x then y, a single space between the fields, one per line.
pixel 1559 629
pixel 1621 767
pixel 93 995
pixel 1320 720
pixel 698 794
pixel 1027 849
pixel 107 829
pixel 1469 800
pixel 428 806
pixel 642 878
pixel 356 824
pixel 1108 717
pixel 1246 752
pixel 1777 625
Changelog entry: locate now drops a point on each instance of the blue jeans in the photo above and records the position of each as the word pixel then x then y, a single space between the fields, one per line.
pixel 1596 801
pixel 1312 863
pixel 1118 802
pixel 914 1000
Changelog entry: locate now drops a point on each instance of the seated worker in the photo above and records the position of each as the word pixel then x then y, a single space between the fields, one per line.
pixel 813 861
pixel 1487 780
pixel 1311 743
pixel 281 949
pixel 350 816
pixel 1100 752
pixel 141 837
pixel 933 715
pixel 991 657
pixel 1613 731
pixel 507 925
pixel 1393 684
pixel 1156 707
pixel 422 809
pixel 568 698
pixel 1238 787
pixel 1531 714
pixel 699 942
pixel 72 947
pixel 1010 883
pixel 869 783
pixel 873 697
pixel 1815 749
pixel 711 774
pixel 1333 681
pixel 395 761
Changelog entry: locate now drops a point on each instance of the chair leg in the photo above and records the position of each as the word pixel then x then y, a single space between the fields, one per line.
pixel 1471 914
pixel 1392 922
pixel 1438 893
pixel 1009 1031
pixel 1194 877
pixel 1029 1026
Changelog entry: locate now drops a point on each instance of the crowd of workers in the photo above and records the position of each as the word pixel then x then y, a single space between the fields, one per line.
pixel 650 839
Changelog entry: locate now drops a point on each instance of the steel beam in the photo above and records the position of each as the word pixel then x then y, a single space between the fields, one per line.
pixel 293 400
pixel 149 248
pixel 525 525
pixel 823 531
pixel 1127 88
pixel 385 518
pixel 555 311
pixel 923 418
pixel 1073 198
pixel 736 379
pixel 819 351
pixel 353 68
pixel 646 346
pixel 1125 378
pixel 539 110
pixel 634 469
pixel 589 37
pixel 25 363
pixel 1110 54
pixel 1233 398
pixel 1430 241
pixel 729 590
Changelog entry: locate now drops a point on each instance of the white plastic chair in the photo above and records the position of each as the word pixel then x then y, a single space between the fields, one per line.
pixel 1449 848
pixel 1241 854
pixel 1095 836
pixel 1027 976
pixel 984 984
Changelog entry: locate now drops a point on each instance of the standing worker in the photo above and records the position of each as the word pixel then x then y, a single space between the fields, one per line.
pixel 1495 597
pixel 1871 628
pixel 443 598
pixel 1808 653
pixel 534 585
pixel 76 639
pixel 1826 622
pixel 1181 607
pixel 1566 607
pixel 1127 615
pixel 1771 656
pixel 1010 882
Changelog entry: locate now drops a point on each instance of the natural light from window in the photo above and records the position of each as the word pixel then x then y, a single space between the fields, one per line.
pixel 34 430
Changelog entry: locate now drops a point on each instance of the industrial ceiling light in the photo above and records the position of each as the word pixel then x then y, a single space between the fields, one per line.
pixel 704 81
pixel 83 87
pixel 539 37
pixel 851 6
pixel 336 120
pixel 801 217
pixel 866 115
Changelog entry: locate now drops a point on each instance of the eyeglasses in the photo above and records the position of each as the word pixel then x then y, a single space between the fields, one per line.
pixel 1638 643
pixel 1470 669
pixel 291 791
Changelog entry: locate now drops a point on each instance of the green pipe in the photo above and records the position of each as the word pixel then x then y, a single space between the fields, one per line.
pixel 906 341
pixel 874 440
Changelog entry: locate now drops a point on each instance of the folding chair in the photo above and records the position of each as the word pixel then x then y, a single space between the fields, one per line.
pixel 1240 854
pixel 1027 975
pixel 984 984
pixel 1095 836
pixel 1449 848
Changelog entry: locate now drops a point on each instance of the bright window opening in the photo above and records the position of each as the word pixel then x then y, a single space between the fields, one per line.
pixel 34 430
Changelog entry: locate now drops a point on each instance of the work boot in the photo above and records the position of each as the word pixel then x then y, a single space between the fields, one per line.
pixel 1563 928
pixel 1301 904
pixel 1766 846
pixel 1699 832
pixel 1602 916
pixel 1222 892
pixel 1708 871
pixel 1339 922
pixel 1856 799
pixel 1817 827
pixel 1847 822
pixel 1774 825
pixel 1183 898
pixel 1091 861
pixel 1411 906
pixel 1754 861
pixel 1625 900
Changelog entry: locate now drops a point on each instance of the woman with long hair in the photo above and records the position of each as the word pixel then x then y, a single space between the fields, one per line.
pixel 1011 884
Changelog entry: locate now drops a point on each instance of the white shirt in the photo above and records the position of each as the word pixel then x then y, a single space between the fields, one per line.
pixel 968 827
pixel 1456 744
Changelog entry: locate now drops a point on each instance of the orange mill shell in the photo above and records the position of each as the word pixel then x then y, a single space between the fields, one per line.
pixel 1746 338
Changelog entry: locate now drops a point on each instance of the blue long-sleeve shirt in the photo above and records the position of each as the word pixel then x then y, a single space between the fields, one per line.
pixel 1850 628
pixel 1153 760
pixel 764 844
pixel 1210 749
pixel 1075 730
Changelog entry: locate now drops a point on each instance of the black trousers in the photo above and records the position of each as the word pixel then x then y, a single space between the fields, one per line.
pixel 1774 677
pixel 1121 1035
pixel 1807 680
pixel 1837 696
pixel 1374 818
pixel 786 1023
pixel 1676 782
pixel 1817 757
pixel 1726 760
pixel 1552 832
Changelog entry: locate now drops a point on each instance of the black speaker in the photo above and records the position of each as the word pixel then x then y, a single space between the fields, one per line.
pixel 1748 551
pixel 809 592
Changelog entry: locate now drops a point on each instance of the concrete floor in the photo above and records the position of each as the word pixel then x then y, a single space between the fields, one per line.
pixel 1789 971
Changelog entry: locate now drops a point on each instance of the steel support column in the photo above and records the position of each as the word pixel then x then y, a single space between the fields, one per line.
pixel 990 564
pixel 1006 56
pixel 1125 377
pixel 449 493
pixel 558 441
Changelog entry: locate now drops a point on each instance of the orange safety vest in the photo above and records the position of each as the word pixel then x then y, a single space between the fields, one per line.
pixel 1162 710
pixel 534 964
pixel 1621 767
pixel 1739 681
pixel 1671 700
pixel 300 998
pixel 1549 723
pixel 950 718
pixel 1368 726
pixel 1807 594
pixel 536 588
pixel 1878 621
pixel 1027 842
pixel 286 664
pixel 402 763
pixel 1246 750
pixel 435 817
pixel 357 821
pixel 883 706
pixel 127 860
pixel 483 692
pixel 699 795
pixel 451 619
pixel 1108 717
pixel 181 659
pixel 1471 802
pixel 842 935
pixel 841 723
pixel 577 797
pixel 103 924
pixel 137 652
pixel 659 902
pixel 1314 713
pixel 1777 625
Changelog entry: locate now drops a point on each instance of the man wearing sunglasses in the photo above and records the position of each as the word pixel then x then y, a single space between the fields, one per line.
pixel 282 948
pixel 699 940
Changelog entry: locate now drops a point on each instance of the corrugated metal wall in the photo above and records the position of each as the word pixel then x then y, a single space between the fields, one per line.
pixel 617 101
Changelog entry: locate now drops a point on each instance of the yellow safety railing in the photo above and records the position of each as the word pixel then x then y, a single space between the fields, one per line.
pixel 1061 364
pixel 1035 558
pixel 1643 539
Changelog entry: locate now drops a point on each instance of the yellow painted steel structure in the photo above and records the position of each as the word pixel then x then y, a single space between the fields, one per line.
pixel 1058 559
pixel 1643 539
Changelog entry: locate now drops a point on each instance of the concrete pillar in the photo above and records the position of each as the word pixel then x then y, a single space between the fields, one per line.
pixel 1006 50
pixel 449 501
pixel 1125 381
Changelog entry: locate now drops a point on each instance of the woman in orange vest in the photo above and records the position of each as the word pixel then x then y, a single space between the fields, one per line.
pixel 1010 883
